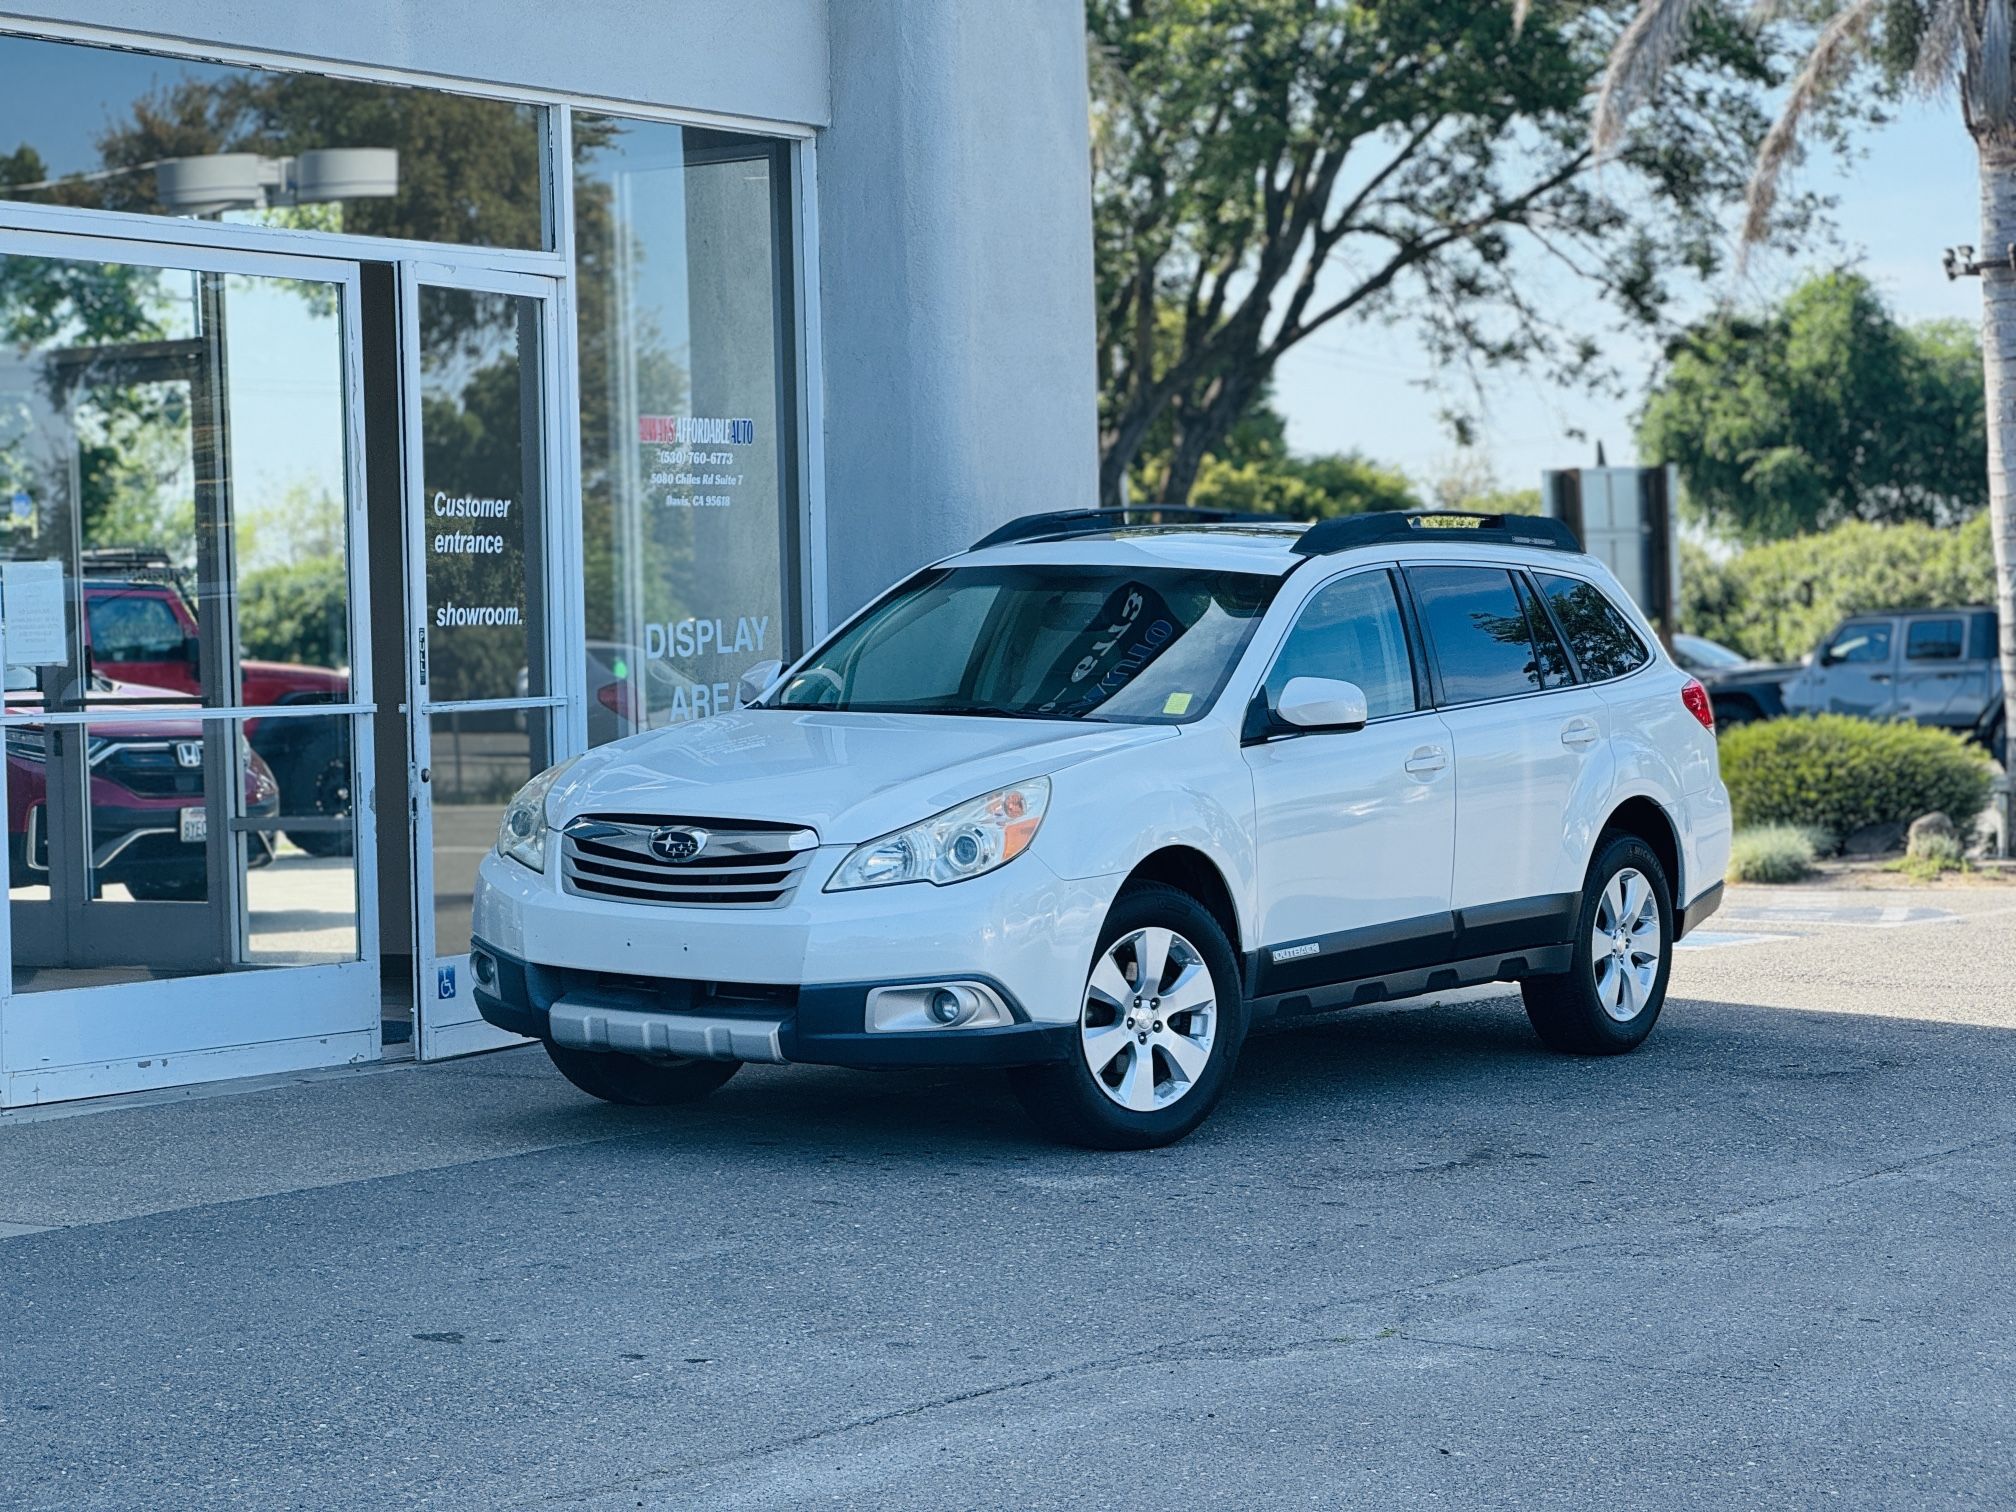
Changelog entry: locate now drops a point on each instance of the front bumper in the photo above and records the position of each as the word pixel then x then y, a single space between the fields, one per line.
pixel 823 1025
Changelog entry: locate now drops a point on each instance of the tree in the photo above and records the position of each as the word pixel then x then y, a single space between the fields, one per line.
pixel 1303 488
pixel 1775 601
pixel 1941 48
pixel 1820 410
pixel 1266 168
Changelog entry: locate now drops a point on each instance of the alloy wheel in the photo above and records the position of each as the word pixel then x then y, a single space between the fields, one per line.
pixel 1626 945
pixel 1150 1018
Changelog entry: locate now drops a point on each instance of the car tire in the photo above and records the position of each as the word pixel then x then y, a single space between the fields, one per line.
pixel 635 1082
pixel 1135 1088
pixel 168 889
pixel 1622 954
pixel 317 785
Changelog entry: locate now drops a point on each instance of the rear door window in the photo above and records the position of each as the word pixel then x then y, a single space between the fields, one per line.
pixel 1602 639
pixel 1935 640
pixel 1477 632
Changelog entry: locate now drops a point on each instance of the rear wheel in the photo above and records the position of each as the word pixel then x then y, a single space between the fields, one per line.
pixel 636 1082
pixel 1610 996
pixel 1159 1029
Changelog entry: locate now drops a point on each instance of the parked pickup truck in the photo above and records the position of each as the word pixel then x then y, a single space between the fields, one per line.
pixel 1931 666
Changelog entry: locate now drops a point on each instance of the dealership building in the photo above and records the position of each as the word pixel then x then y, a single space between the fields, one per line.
pixel 399 397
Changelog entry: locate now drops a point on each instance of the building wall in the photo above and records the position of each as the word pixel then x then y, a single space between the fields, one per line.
pixel 955 228
pixel 764 58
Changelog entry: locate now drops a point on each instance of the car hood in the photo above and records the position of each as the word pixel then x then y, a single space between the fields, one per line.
pixel 851 777
pixel 1748 672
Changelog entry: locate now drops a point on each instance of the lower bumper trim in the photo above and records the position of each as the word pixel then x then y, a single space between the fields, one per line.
pixel 1695 914
pixel 594 1026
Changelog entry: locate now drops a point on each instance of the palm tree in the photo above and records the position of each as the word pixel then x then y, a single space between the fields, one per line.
pixel 1949 49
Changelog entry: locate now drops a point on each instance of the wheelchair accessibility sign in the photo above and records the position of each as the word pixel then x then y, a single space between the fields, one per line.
pixel 444 982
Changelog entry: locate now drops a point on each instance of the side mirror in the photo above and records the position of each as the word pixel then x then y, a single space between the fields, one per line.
pixel 1322 703
pixel 756 682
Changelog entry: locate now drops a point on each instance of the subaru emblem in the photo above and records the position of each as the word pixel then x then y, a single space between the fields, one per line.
pixel 677 843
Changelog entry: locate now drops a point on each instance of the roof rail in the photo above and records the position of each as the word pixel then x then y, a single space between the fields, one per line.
pixel 1069 522
pixel 1344 532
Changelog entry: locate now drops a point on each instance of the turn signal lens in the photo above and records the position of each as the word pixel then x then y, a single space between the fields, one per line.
pixel 1695 697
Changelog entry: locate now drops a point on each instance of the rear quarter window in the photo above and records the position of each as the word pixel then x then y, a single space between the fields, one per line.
pixel 1603 640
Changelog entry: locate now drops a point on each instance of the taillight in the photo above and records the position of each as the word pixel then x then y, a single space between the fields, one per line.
pixel 615 697
pixel 1695 697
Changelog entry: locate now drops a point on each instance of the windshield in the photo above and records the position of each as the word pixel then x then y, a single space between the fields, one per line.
pixel 1693 651
pixel 1134 645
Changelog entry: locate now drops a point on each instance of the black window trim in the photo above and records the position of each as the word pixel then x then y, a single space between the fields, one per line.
pixel 1529 590
pixel 1582 679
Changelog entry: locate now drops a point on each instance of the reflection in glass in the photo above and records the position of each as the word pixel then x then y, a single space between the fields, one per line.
pixel 686 413
pixel 108 129
pixel 173 486
pixel 479 761
pixel 144 846
pixel 482 496
pixel 174 443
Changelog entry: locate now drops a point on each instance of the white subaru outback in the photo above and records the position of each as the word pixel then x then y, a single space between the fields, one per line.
pixel 1092 798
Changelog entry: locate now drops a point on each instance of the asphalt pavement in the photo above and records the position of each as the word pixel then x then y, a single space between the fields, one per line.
pixel 1413 1261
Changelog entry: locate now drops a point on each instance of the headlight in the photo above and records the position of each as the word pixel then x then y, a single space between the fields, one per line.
pixel 522 835
pixel 962 842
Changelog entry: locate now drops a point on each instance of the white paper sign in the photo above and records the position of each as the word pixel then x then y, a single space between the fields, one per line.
pixel 31 597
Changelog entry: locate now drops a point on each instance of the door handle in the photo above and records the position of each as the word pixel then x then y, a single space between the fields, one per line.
pixel 1580 734
pixel 1427 761
pixel 1879 677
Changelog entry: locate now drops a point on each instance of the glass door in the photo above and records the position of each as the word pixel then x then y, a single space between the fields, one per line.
pixel 481 396
pixel 179 608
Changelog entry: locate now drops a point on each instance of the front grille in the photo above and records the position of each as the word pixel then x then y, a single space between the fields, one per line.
pixel 149 769
pixel 740 863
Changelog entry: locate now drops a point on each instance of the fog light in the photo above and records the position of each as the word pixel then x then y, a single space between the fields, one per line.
pixel 930 1006
pixel 483 969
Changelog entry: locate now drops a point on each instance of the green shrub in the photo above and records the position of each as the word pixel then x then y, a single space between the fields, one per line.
pixel 1939 850
pixel 1840 774
pixel 1771 853
pixel 1776 601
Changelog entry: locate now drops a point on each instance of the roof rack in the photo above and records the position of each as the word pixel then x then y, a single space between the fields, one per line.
pixel 1070 522
pixel 1443 527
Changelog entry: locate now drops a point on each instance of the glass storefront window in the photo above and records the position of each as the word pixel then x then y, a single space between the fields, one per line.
pixel 106 129
pixel 173 540
pixel 688 471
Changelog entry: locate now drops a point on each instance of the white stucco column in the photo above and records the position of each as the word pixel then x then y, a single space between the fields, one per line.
pixel 956 279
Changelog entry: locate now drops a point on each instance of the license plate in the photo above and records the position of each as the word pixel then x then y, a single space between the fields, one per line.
pixel 195 825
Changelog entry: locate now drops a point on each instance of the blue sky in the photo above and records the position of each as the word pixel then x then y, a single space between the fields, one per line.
pixel 1372 388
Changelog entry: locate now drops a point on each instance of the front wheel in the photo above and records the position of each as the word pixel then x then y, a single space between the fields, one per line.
pixel 1610 996
pixel 636 1082
pixel 1159 1029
